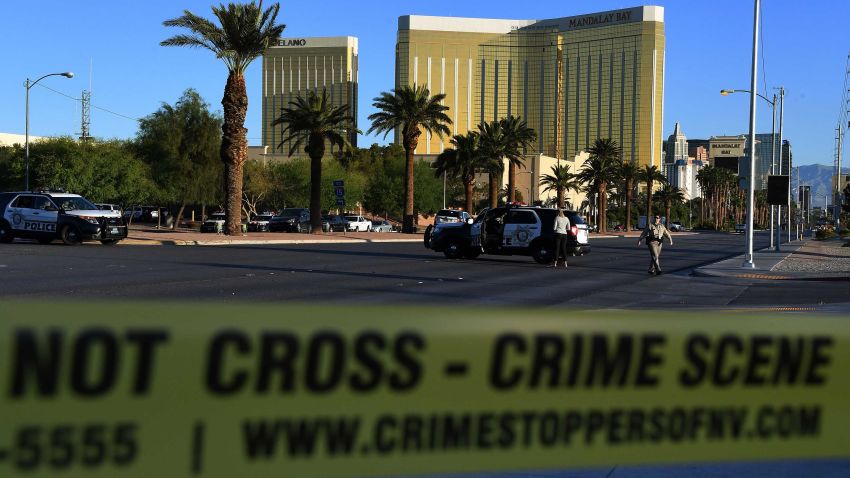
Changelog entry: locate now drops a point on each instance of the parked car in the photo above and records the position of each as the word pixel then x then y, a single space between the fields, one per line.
pixel 451 216
pixel 291 220
pixel 46 216
pixel 333 223
pixel 142 214
pixel 260 222
pixel 108 207
pixel 381 226
pixel 740 228
pixel 509 230
pixel 676 226
pixel 357 223
pixel 214 223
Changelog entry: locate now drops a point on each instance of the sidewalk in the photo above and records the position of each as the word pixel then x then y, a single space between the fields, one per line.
pixel 799 260
pixel 182 237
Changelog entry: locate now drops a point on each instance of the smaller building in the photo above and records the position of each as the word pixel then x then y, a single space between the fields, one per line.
pixel 11 139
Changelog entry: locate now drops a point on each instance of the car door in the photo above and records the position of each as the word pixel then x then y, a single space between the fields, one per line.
pixel 16 213
pixel 43 217
pixel 521 227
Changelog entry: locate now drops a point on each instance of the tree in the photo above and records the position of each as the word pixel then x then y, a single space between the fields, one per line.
pixel 649 174
pixel 561 180
pixel 312 122
pixel 518 137
pixel 462 161
pixel 495 148
pixel 668 195
pixel 244 32
pixel 628 175
pixel 410 110
pixel 181 144
pixel 599 171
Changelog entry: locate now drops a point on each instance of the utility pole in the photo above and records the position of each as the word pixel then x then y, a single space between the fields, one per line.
pixel 773 165
pixel 748 256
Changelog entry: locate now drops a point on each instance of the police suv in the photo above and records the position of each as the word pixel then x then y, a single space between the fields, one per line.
pixel 509 230
pixel 46 216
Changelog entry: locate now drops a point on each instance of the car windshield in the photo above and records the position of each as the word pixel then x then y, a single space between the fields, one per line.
pixel 449 213
pixel 290 212
pixel 352 218
pixel 262 218
pixel 75 203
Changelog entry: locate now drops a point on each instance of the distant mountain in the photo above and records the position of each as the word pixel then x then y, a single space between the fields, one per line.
pixel 819 177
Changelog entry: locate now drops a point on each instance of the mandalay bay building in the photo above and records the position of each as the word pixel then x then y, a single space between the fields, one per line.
pixel 573 79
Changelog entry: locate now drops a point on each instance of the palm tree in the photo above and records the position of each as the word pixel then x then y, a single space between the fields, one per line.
pixel 668 195
pixel 462 161
pixel 561 180
pixel 310 122
pixel 649 174
pixel 412 110
pixel 628 173
pixel 518 137
pixel 599 171
pixel 495 147
pixel 244 32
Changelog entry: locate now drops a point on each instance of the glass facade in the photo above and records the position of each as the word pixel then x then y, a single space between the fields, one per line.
pixel 297 65
pixel 573 79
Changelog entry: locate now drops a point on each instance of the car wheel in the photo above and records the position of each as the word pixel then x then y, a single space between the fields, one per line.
pixel 70 236
pixel 453 250
pixel 6 235
pixel 426 238
pixel 109 242
pixel 541 253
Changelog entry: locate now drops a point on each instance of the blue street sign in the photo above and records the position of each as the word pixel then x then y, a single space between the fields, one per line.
pixel 338 183
pixel 340 202
pixel 340 192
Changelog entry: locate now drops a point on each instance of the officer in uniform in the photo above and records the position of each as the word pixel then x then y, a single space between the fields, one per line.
pixel 654 235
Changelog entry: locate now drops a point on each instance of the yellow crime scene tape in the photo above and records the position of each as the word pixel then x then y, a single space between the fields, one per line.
pixel 132 390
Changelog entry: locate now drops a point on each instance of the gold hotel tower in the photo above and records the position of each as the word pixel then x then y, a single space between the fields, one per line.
pixel 573 79
pixel 296 65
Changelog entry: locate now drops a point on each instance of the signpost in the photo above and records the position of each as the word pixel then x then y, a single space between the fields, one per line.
pixel 339 189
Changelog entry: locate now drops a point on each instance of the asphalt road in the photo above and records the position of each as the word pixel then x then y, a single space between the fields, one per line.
pixel 613 275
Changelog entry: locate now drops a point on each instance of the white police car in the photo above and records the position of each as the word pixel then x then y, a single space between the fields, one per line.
pixel 46 216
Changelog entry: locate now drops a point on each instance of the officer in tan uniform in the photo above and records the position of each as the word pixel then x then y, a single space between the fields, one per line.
pixel 654 235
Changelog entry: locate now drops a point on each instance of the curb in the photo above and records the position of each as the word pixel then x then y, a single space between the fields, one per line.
pixel 165 242
pixel 706 271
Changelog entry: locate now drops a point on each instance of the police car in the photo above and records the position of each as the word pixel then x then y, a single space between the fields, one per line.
pixel 46 216
pixel 509 230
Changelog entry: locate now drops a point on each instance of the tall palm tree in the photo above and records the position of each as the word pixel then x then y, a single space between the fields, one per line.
pixel 599 171
pixel 519 137
pixel 462 161
pixel 243 33
pixel 668 195
pixel 412 110
pixel 628 173
pixel 561 180
pixel 310 122
pixel 495 147
pixel 650 174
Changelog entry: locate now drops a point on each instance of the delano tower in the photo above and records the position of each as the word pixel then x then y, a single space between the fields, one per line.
pixel 573 79
pixel 297 65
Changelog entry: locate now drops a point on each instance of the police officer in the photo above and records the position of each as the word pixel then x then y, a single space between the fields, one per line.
pixel 654 235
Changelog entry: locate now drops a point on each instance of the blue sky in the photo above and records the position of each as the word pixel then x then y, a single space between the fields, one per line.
pixel 708 48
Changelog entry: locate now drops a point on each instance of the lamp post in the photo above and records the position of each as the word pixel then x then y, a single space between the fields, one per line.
pixel 29 84
pixel 773 165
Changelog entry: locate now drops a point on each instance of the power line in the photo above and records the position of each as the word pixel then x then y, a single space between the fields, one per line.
pixel 93 106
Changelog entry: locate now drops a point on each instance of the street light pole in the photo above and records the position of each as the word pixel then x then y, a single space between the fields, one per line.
pixel 773 164
pixel 29 84
pixel 781 133
pixel 748 256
